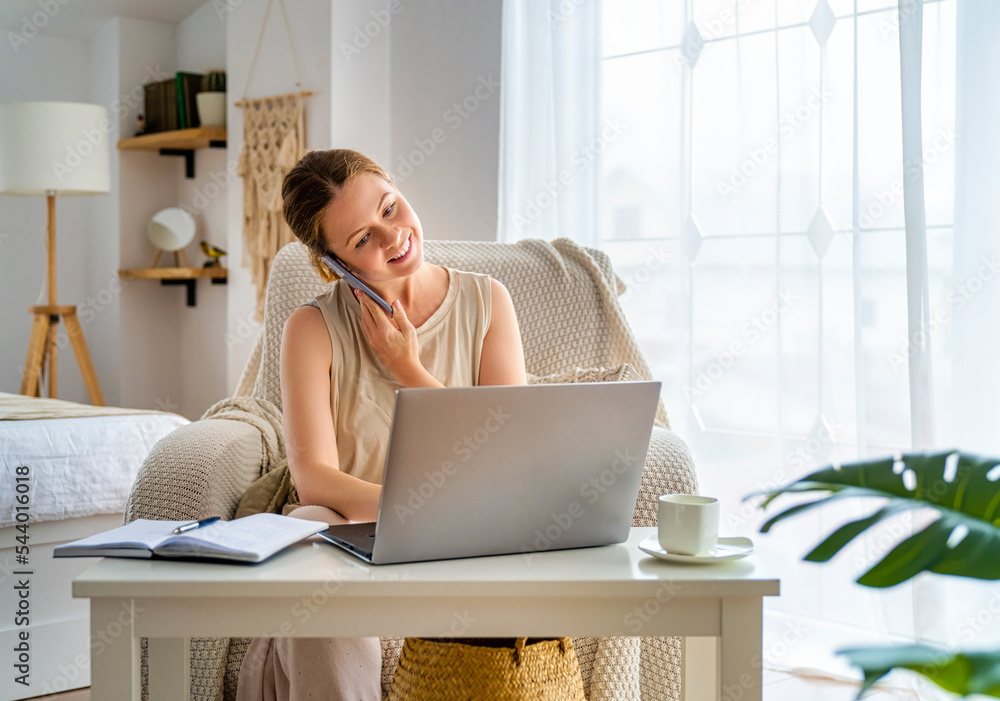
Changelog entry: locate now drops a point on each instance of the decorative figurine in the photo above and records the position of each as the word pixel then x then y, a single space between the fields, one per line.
pixel 140 122
pixel 214 253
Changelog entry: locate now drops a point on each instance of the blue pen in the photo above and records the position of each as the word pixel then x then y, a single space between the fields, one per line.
pixel 184 528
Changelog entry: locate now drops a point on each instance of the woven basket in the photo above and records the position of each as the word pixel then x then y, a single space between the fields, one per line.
pixel 430 670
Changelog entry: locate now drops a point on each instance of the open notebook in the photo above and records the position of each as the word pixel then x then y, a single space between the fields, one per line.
pixel 248 539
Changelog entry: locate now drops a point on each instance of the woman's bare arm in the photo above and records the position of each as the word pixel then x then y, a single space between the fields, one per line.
pixel 310 439
pixel 502 360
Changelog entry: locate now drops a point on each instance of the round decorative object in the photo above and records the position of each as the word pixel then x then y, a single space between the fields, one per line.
pixel 171 229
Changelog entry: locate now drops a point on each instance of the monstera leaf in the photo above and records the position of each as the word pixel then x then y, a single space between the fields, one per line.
pixel 962 673
pixel 963 541
pixel 964 489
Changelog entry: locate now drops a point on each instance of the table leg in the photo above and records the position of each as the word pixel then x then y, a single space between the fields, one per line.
pixel 114 651
pixel 741 642
pixel 169 669
pixel 699 669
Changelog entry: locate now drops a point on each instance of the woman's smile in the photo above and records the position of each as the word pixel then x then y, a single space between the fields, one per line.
pixel 403 252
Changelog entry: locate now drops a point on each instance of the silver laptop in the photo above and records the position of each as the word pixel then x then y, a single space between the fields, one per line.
pixel 473 471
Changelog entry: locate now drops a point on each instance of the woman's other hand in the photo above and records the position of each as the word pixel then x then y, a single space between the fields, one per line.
pixel 394 340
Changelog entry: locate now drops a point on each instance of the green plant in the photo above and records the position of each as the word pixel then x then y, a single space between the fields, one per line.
pixel 214 81
pixel 964 541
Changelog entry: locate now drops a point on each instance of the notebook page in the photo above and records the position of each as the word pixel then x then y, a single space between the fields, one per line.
pixel 259 534
pixel 141 533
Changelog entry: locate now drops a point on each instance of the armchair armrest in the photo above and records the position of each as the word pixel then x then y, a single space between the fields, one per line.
pixel 199 470
pixel 668 470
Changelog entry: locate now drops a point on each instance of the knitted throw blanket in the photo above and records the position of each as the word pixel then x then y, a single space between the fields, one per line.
pixel 565 296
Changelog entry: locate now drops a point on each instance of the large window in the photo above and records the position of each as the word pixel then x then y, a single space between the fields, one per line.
pixel 744 163
pixel 728 203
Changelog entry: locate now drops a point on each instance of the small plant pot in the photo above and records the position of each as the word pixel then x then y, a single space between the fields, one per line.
pixel 211 108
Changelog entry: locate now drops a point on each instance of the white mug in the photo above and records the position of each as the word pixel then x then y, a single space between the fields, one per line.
pixel 687 524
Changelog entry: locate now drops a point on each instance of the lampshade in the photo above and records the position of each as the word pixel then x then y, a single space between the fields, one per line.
pixel 54 146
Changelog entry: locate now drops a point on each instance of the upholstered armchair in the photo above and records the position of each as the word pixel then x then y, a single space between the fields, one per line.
pixel 566 299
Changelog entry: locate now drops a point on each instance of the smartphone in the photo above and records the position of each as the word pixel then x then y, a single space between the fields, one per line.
pixel 334 264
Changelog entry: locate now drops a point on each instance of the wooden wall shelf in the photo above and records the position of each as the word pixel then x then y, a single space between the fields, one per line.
pixel 200 137
pixel 180 142
pixel 178 276
pixel 172 273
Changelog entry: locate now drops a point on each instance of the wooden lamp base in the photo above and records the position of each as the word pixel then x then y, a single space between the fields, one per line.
pixel 42 347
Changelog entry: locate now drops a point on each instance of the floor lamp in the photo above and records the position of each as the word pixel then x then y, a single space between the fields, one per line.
pixel 50 148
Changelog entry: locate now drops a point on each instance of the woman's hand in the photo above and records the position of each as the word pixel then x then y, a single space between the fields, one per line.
pixel 394 340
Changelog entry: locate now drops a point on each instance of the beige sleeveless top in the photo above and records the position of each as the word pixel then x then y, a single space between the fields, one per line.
pixel 362 389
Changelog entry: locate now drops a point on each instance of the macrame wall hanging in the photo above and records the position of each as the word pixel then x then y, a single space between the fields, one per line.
pixel 273 142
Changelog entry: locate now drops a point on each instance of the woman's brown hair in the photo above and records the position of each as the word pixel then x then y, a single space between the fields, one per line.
pixel 309 188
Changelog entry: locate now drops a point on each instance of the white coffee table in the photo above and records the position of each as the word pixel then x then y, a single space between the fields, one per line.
pixel 315 590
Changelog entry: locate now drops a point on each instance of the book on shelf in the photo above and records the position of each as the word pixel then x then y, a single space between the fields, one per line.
pixel 188 85
pixel 170 104
pixel 152 96
pixel 251 539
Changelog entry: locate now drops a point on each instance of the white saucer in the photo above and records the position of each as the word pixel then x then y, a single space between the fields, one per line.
pixel 726 550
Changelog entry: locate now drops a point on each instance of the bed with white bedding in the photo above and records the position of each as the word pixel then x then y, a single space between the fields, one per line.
pixel 65 472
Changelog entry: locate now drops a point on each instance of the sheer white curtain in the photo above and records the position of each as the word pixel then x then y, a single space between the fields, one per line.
pixel 550 136
pixel 802 197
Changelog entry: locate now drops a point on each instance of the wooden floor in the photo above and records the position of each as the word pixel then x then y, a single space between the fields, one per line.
pixel 778 686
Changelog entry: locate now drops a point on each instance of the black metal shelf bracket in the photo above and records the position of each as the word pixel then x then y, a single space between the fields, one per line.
pixel 192 296
pixel 189 156
pixel 192 299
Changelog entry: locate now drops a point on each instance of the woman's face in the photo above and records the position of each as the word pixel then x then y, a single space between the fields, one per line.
pixel 370 226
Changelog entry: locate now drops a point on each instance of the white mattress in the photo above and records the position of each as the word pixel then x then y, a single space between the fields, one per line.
pixel 78 466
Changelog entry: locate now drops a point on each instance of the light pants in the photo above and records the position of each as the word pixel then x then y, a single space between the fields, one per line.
pixel 332 669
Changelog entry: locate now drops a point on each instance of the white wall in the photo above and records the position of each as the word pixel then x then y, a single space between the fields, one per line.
pixel 149 314
pixel 381 82
pixel 274 75
pixel 103 306
pixel 171 356
pixel 446 102
pixel 45 68
pixel 360 85
pixel 201 45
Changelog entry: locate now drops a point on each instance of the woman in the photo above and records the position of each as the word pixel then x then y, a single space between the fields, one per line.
pixel 342 358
